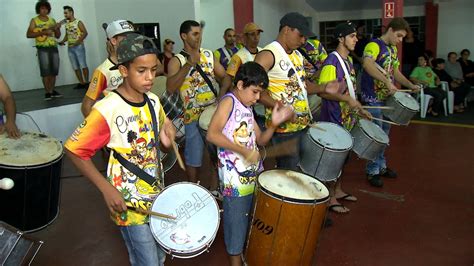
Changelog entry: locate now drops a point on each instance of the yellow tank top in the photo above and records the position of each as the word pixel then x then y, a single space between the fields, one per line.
pixel 195 92
pixel 73 32
pixel 284 86
pixel 44 41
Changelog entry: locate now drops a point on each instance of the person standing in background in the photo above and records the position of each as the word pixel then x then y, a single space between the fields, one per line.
pixel 76 32
pixel 165 57
pixel 45 30
pixel 224 54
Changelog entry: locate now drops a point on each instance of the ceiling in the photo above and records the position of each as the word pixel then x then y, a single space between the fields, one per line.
pixel 347 5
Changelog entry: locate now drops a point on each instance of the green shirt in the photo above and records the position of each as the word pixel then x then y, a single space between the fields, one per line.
pixel 424 74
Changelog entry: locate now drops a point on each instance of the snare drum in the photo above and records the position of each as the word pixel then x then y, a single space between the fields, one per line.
pixel 204 121
pixel 369 139
pixel 404 108
pixel 196 224
pixel 289 209
pixel 34 163
pixel 324 152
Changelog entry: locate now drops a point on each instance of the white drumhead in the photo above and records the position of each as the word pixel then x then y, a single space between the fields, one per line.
pixel 332 136
pixel 407 100
pixel 373 130
pixel 291 184
pixel 197 219
pixel 159 85
pixel 30 149
pixel 206 116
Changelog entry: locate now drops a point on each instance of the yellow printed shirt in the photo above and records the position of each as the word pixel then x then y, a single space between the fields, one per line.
pixel 126 128
pixel 104 80
pixel 386 57
pixel 73 32
pixel 195 92
pixel 284 86
pixel 42 41
pixel 241 57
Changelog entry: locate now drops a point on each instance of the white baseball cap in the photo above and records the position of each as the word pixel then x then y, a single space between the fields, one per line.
pixel 118 27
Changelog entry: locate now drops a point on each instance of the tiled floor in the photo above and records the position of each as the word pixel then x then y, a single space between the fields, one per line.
pixel 424 217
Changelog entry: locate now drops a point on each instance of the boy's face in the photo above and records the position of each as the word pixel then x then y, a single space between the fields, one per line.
pixel 350 41
pixel 249 95
pixel 193 37
pixel 141 72
pixel 421 61
pixel 43 11
pixel 396 37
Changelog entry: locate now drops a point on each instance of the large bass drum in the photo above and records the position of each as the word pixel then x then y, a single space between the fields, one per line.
pixel 34 163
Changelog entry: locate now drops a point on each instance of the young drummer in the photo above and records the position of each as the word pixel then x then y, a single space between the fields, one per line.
pixel 129 121
pixel 233 129
pixel 341 108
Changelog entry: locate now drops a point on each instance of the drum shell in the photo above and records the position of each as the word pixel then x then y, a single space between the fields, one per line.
pixel 323 163
pixel 399 114
pixel 295 228
pixel 33 202
pixel 364 146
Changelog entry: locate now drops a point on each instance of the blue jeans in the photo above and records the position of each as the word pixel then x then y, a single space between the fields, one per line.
pixel 236 222
pixel 142 247
pixel 77 56
pixel 290 161
pixel 194 145
pixel 373 168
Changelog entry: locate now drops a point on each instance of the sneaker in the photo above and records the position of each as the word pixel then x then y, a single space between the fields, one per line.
pixel 217 194
pixel 47 97
pixel 387 172
pixel 56 94
pixel 375 181
pixel 78 87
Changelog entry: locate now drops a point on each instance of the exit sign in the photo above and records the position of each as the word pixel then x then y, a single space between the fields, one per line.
pixel 389 10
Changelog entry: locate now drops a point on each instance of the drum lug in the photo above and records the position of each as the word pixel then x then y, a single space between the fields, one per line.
pixel 221 210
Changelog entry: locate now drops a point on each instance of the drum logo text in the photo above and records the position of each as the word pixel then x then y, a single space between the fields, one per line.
pixel 261 226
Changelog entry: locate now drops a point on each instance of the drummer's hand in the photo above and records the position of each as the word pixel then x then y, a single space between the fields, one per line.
pixel 251 156
pixel 11 129
pixel 332 87
pixel 354 104
pixel 365 114
pixel 281 113
pixel 391 88
pixel 168 133
pixel 415 88
pixel 114 200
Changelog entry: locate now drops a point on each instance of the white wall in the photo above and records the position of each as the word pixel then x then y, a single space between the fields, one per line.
pixel 18 62
pixel 218 15
pixel 455 27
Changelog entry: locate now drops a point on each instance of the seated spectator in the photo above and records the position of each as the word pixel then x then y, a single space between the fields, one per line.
pixel 424 75
pixel 459 88
pixel 467 67
pixel 453 67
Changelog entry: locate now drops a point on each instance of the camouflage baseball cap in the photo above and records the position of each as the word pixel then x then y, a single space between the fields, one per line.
pixel 133 46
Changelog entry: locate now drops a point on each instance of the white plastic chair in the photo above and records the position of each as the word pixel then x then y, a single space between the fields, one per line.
pixel 424 102
pixel 449 100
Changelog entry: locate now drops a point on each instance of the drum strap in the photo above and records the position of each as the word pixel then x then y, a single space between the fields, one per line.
pixel 134 168
pixel 350 85
pixel 203 75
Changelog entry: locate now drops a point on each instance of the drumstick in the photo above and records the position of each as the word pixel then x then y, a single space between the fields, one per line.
pixel 377 107
pixel 158 214
pixel 386 121
pixel 407 91
pixel 314 125
pixel 178 156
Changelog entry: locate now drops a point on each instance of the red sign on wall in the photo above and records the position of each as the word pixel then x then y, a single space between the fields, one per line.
pixel 389 10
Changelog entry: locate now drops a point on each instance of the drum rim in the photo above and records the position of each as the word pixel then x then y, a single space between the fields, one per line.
pixel 290 199
pixel 335 150
pixel 404 106
pixel 372 138
pixel 196 251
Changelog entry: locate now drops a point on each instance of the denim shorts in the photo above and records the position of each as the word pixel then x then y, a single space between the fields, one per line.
pixel 236 222
pixel 48 58
pixel 141 245
pixel 77 56
pixel 194 145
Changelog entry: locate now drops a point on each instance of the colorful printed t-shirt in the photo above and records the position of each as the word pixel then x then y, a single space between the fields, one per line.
pixel 104 80
pixel 126 128
pixel 237 176
pixel 241 57
pixel 316 53
pixel 223 55
pixel 335 111
pixel 385 56
pixel 49 41
pixel 195 92
pixel 424 74
pixel 284 86
pixel 73 32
